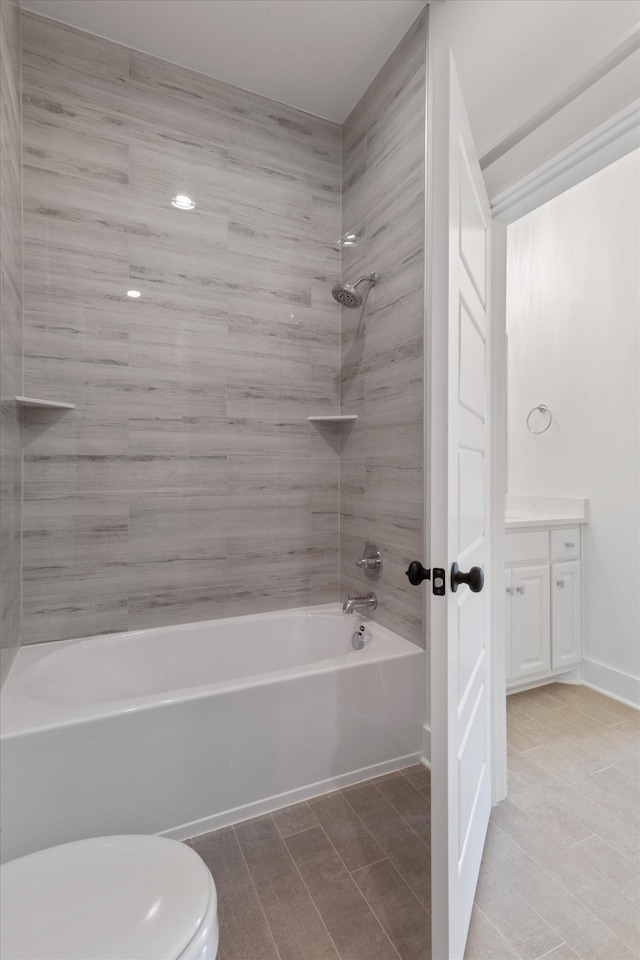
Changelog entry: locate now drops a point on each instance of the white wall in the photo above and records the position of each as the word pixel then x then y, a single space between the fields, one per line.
pixel 515 56
pixel 573 317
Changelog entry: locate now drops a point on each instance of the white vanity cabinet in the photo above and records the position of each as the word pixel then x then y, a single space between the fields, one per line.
pixel 529 599
pixel 566 614
pixel 543 622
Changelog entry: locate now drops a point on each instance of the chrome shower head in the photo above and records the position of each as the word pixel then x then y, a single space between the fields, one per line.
pixel 347 294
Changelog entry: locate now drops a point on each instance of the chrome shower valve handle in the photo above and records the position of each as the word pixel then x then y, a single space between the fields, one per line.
pixel 370 562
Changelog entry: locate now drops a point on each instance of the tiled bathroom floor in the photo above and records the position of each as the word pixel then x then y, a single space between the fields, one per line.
pixel 346 876
pixel 560 877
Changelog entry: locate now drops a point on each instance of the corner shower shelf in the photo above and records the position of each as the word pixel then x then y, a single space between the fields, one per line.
pixel 343 418
pixel 44 404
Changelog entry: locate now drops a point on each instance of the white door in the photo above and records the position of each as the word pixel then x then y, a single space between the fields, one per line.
pixel 531 621
pixel 458 274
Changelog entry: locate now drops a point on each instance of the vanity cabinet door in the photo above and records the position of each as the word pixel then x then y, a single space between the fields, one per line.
pixel 566 613
pixel 530 621
pixel 508 640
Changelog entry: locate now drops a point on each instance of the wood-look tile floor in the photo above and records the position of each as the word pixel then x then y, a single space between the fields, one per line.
pixel 346 876
pixel 560 876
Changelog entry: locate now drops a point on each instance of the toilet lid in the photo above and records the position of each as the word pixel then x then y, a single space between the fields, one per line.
pixel 108 898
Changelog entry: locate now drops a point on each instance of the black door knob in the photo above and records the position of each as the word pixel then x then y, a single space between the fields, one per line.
pixel 417 573
pixel 474 579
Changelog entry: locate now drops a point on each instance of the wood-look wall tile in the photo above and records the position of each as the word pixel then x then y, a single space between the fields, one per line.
pixel 161 475
pixel 234 339
pixel 91 613
pixel 317 478
pixel 158 172
pixel 72 156
pixel 75 476
pixel 286 551
pixel 68 534
pixel 61 52
pixel 383 520
pixel 10 609
pixel 10 532
pixel 11 324
pixel 382 346
pixel 174 574
pixel 276 323
pixel 394 477
pixel 218 597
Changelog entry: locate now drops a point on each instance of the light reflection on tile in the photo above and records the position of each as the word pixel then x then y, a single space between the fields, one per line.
pixel 196 482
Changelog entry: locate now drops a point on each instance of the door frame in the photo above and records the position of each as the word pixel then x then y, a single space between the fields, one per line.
pixel 610 141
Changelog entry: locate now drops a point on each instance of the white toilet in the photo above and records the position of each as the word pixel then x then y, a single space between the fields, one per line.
pixel 109 898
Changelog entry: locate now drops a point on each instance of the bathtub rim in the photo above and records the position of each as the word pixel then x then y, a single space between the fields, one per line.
pixel 66 715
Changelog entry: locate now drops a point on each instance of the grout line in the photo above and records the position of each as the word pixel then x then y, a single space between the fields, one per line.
pixel 297 832
pixel 577 843
pixel 491 924
pixel 549 952
pixel 350 874
pixel 411 890
pixel 365 865
pixel 401 815
pixel 420 790
pixel 621 857
pixel 310 895
pixel 520 896
pixel 555 879
pixel 577 747
pixel 560 884
pixel 253 884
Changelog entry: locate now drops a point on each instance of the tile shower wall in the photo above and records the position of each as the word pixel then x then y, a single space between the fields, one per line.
pixel 381 473
pixel 10 332
pixel 186 484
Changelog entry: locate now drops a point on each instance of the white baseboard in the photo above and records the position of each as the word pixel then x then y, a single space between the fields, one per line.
pixel 269 804
pixel 425 760
pixel 571 675
pixel 613 683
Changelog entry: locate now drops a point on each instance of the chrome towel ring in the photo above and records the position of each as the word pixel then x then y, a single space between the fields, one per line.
pixel 541 408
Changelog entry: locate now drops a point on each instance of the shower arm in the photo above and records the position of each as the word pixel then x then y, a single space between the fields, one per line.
pixel 372 279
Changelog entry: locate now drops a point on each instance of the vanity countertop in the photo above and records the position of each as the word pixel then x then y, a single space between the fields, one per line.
pixel 516 523
pixel 525 512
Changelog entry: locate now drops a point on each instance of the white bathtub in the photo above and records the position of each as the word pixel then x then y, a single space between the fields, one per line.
pixel 180 730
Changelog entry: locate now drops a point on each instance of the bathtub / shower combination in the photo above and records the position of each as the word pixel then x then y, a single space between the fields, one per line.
pixel 180 730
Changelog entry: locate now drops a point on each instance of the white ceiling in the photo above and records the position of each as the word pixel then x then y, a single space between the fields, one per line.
pixel 317 55
pixel 514 56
